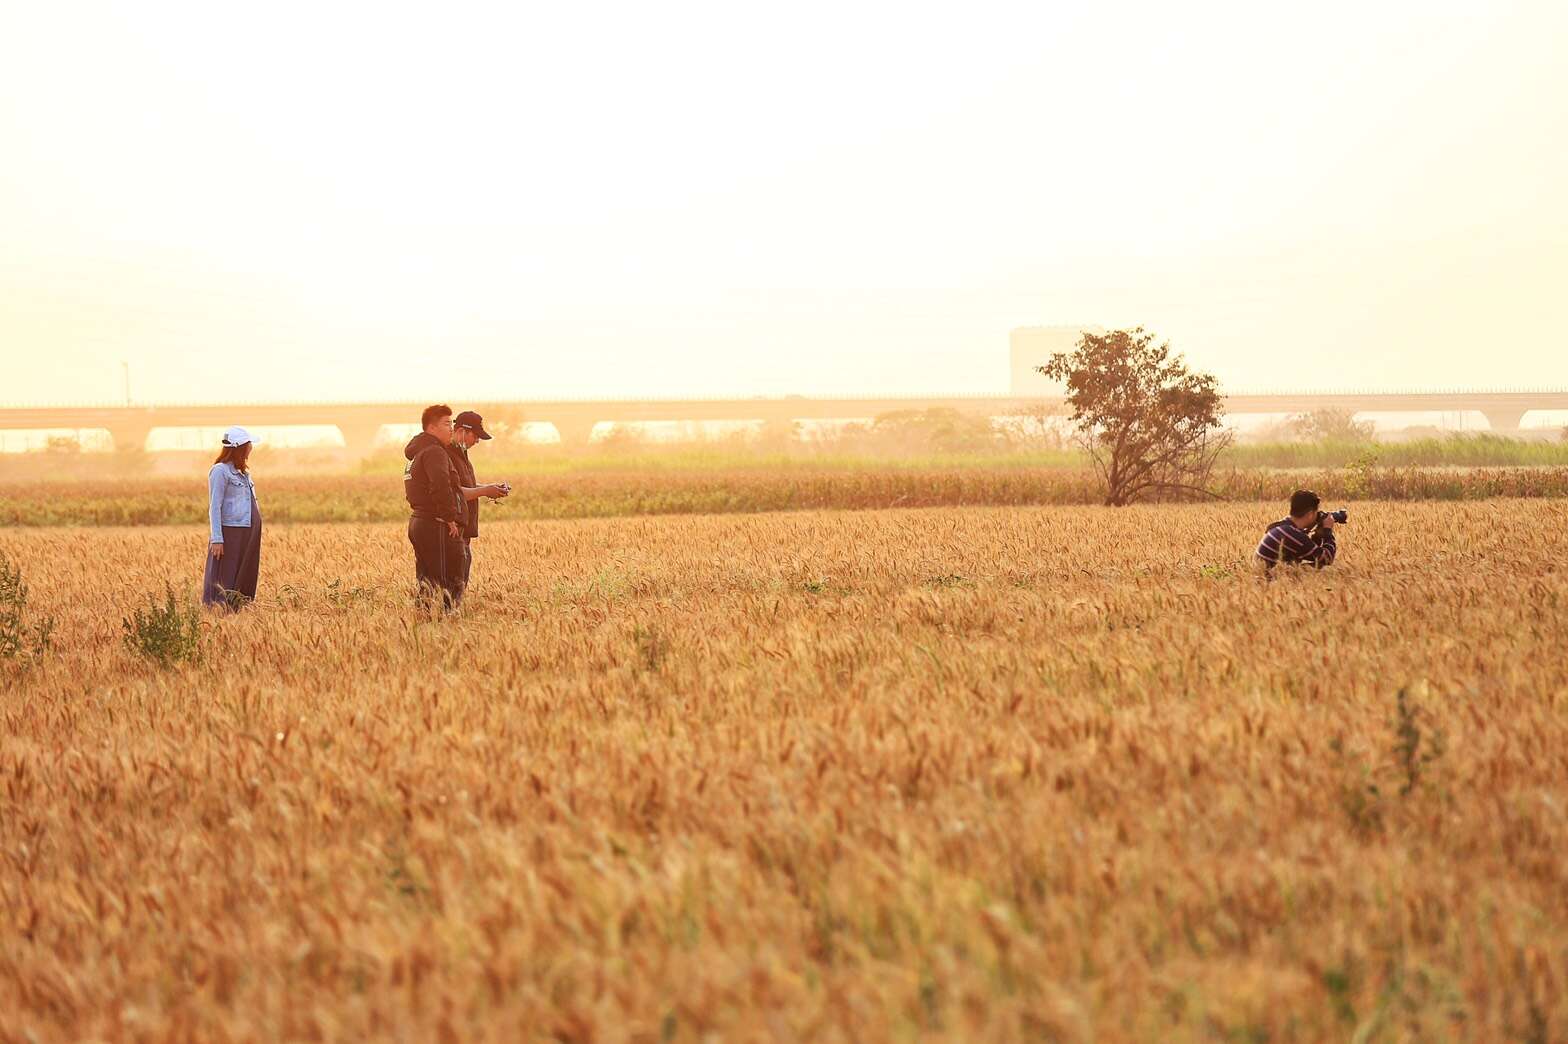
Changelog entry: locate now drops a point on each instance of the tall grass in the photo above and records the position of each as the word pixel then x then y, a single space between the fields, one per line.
pixel 379 497
pixel 860 454
pixel 1469 451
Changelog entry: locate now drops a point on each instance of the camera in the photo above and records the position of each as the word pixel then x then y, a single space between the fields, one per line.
pixel 1339 516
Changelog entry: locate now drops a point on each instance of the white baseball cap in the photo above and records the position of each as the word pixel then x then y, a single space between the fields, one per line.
pixel 236 436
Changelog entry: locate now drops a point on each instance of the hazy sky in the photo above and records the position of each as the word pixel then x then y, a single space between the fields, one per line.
pixel 334 201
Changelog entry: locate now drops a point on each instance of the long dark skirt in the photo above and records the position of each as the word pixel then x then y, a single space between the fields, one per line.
pixel 231 580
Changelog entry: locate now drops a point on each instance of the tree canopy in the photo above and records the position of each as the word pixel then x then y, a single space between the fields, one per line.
pixel 1151 426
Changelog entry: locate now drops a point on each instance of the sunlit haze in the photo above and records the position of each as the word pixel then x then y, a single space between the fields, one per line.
pixel 319 201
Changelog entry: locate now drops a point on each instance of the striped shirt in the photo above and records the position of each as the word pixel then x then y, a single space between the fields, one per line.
pixel 1289 543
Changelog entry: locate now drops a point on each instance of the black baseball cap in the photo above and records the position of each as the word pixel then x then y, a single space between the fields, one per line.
pixel 472 421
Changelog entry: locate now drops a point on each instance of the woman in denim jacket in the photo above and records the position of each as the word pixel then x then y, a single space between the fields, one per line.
pixel 234 521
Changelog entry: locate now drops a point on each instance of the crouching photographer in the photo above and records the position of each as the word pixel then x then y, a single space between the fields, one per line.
pixel 1307 536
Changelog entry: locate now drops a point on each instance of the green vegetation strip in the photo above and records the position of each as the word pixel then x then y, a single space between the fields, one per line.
pixel 379 498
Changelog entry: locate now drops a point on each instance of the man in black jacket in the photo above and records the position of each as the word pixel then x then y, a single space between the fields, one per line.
pixel 437 516
pixel 469 428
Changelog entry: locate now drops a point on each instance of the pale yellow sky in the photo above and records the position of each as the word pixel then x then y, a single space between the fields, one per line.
pixel 336 201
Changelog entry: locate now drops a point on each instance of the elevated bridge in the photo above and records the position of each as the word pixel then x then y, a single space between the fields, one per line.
pixel 574 419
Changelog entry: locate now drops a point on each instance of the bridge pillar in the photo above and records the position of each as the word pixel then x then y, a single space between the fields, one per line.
pixel 360 437
pixel 130 435
pixel 575 431
pixel 1506 419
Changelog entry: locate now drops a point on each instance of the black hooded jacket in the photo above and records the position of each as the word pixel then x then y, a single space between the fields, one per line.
pixel 431 482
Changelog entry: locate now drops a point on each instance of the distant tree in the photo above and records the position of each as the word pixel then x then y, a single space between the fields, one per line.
pixel 1041 426
pixel 1151 426
pixel 129 462
pixel 63 445
pixel 506 424
pixel 624 436
pixel 778 433
pixel 946 430
pixel 1331 426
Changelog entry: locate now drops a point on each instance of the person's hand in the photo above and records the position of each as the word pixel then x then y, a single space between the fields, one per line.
pixel 217 549
pixel 499 490
pixel 1327 521
pixel 452 530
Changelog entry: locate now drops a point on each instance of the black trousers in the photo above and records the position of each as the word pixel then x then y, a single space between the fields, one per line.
pixel 438 563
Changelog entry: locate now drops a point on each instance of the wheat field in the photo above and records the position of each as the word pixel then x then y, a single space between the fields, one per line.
pixel 971 774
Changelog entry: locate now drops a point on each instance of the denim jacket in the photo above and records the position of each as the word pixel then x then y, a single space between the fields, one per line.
pixel 228 499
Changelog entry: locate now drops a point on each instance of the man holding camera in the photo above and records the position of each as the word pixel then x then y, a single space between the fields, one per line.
pixel 1307 536
pixel 468 428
